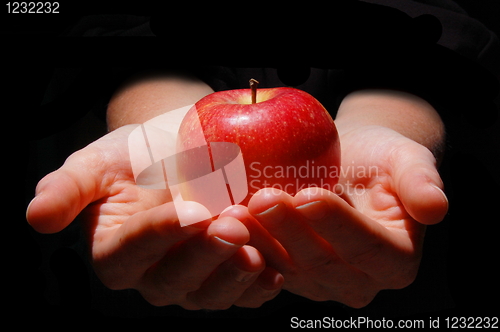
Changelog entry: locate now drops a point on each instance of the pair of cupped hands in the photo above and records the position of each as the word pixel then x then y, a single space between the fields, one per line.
pixel 318 244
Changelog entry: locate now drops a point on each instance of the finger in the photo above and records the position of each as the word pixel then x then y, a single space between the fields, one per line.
pixel 122 255
pixel 267 286
pixel 85 177
pixel 185 268
pixel 58 201
pixel 230 280
pixel 275 211
pixel 273 252
pixel 389 256
pixel 420 187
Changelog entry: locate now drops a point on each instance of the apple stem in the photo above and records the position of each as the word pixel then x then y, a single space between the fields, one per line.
pixel 253 85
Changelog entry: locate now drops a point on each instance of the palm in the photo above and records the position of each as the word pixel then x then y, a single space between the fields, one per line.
pixel 367 180
pixel 121 198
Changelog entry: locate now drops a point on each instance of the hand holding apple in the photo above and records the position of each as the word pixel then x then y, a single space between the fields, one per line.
pixel 206 265
pixel 347 248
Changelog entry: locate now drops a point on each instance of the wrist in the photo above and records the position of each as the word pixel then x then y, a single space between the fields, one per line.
pixel 402 112
pixel 148 96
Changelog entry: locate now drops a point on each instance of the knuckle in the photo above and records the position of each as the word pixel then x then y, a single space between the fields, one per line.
pixel 364 255
pixel 320 263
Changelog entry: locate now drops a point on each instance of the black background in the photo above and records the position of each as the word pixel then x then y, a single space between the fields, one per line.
pixel 49 281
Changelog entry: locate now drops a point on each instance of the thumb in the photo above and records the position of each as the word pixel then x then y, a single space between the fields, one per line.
pixel 84 177
pixel 60 197
pixel 420 189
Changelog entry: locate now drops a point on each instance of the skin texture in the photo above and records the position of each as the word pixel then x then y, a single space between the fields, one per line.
pixel 343 246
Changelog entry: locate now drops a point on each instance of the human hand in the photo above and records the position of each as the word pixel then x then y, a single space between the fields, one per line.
pixel 136 240
pixel 369 237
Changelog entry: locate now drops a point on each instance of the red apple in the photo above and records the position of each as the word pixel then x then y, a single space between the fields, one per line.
pixel 287 138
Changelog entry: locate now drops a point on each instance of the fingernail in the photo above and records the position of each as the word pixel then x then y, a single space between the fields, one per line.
pixel 445 199
pixel 223 247
pixel 314 210
pixel 227 209
pixel 225 242
pixel 276 212
pixel 28 209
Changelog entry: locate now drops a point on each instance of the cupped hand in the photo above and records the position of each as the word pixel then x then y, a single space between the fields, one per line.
pixel 368 236
pixel 136 240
